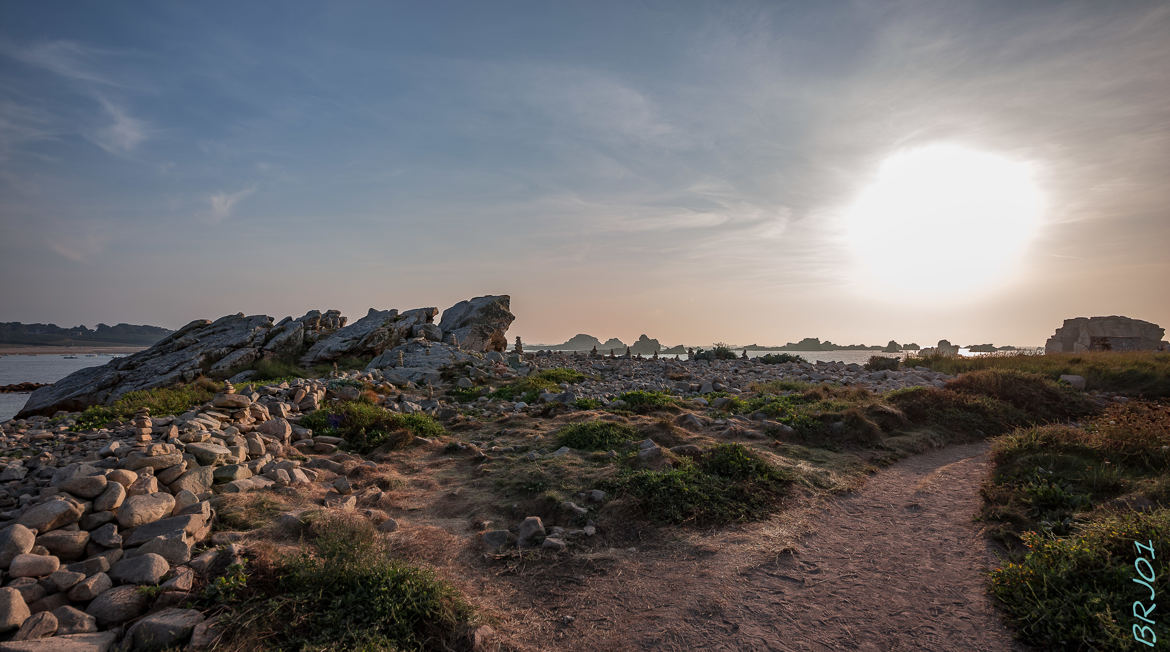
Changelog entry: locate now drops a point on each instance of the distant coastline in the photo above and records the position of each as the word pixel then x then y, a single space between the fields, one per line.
pixel 74 349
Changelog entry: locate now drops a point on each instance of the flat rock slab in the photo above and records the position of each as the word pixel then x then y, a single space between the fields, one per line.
pixel 93 642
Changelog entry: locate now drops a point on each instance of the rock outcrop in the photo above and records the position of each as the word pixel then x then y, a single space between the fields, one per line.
pixel 371 335
pixel 645 346
pixel 478 324
pixel 223 347
pixel 1106 334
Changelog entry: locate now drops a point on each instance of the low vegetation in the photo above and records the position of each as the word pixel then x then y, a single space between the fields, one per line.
pixel 642 401
pixel 596 435
pixel 365 426
pixel 1069 502
pixel 530 388
pixel 725 484
pixel 1134 373
pixel 718 352
pixel 160 401
pixel 882 363
pixel 346 590
pixel 779 358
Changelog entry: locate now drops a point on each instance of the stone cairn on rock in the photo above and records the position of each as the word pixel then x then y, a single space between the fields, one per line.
pixel 519 347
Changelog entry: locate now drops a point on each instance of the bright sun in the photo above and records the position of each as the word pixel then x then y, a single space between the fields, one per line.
pixel 943 218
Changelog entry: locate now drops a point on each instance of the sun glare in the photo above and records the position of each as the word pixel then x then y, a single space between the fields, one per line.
pixel 943 218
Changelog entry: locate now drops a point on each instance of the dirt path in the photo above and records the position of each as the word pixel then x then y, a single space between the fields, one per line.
pixel 895 566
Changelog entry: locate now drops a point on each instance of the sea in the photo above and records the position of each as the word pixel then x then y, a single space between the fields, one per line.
pixel 40 368
pixel 51 367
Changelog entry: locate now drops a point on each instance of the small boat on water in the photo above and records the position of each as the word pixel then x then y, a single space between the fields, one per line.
pixel 70 357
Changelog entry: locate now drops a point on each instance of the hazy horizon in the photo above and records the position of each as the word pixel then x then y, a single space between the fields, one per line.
pixel 696 172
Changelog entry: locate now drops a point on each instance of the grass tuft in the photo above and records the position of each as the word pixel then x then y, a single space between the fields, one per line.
pixel 642 401
pixel 346 592
pixel 596 435
pixel 365 426
pixel 729 483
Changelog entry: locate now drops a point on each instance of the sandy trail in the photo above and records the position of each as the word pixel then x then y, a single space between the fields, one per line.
pixel 898 565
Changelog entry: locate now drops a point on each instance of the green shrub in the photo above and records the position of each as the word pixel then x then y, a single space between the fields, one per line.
pixel 365 426
pixel 966 415
pixel 779 358
pixel 161 401
pixel 1076 592
pixel 466 394
pixel 726 484
pixel 347 592
pixel 717 353
pixel 1042 399
pixel 587 404
pixel 1048 476
pixel 642 401
pixel 561 375
pixel 596 435
pixel 528 389
pixel 881 363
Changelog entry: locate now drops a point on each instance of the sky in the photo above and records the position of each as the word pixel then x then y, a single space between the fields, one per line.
pixel 681 169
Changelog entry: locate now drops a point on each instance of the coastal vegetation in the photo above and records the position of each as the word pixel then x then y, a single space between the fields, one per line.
pixel 725 484
pixel 160 401
pixel 1069 502
pixel 365 426
pixel 342 588
pixel 1132 373
pixel 529 388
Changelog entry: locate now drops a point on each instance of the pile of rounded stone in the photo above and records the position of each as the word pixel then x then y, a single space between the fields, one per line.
pixel 91 518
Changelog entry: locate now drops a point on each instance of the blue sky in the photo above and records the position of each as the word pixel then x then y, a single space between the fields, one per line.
pixel 661 167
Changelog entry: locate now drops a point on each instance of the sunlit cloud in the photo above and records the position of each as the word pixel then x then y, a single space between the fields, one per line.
pixel 222 204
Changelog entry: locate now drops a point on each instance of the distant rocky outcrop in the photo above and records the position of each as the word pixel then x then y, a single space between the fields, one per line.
pixel 578 342
pixel 943 347
pixel 221 348
pixel 645 346
pixel 892 347
pixel 1112 333
pixel 613 343
pixel 53 335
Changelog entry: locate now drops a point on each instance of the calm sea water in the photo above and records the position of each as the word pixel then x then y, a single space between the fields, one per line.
pixel 42 368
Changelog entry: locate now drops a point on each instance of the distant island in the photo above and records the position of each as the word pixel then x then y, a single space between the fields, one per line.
pixel 649 346
pixel 646 345
pixel 15 333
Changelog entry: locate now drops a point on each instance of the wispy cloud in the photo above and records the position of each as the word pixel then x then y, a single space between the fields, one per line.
pixel 123 134
pixel 65 58
pixel 222 203
pixel 79 64
pixel 78 245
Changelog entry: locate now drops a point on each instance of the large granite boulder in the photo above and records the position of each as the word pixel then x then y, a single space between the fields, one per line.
pixel 418 361
pixel 1112 333
pixel 290 336
pixel 369 336
pixel 479 324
